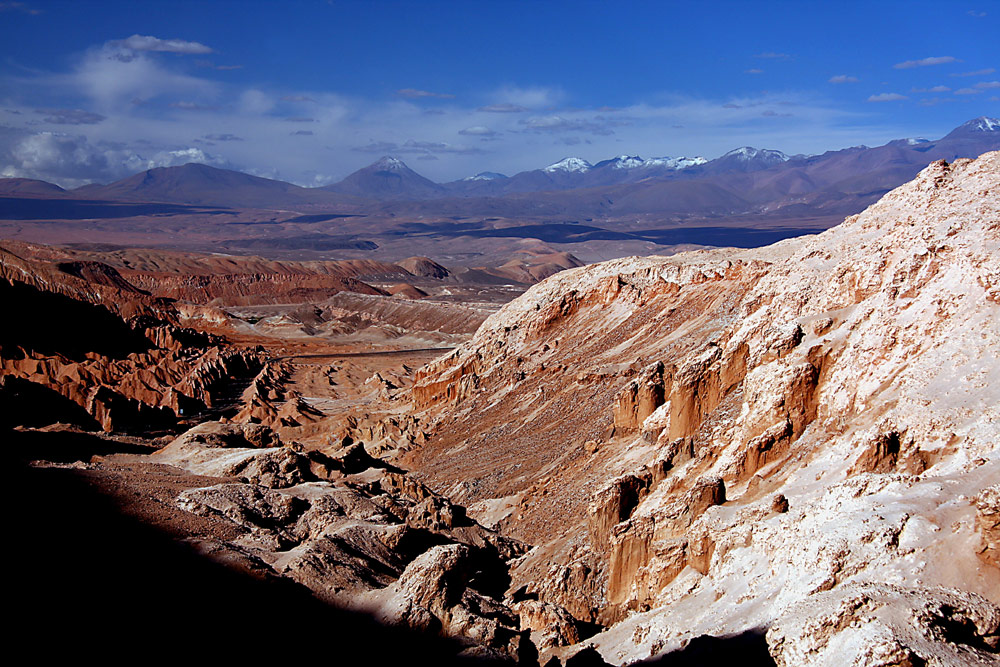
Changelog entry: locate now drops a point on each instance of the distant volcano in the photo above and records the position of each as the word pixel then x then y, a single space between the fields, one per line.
pixel 388 178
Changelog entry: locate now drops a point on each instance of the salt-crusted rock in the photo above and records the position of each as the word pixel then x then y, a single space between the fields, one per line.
pixel 433 593
pixel 550 624
pixel 249 506
pixel 229 450
pixel 876 624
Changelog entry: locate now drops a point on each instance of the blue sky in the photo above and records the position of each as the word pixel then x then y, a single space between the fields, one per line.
pixel 310 91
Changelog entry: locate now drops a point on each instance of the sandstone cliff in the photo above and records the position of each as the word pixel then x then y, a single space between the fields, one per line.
pixel 801 437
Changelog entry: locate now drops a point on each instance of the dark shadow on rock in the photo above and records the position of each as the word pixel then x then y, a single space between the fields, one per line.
pixel 747 649
pixel 27 403
pixel 51 323
pixel 588 657
pixel 65 446
pixel 92 583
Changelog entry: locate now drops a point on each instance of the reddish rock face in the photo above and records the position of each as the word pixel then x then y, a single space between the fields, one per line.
pixel 988 524
pixel 128 364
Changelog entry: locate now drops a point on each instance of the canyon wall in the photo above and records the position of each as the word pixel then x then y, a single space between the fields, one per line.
pixel 730 441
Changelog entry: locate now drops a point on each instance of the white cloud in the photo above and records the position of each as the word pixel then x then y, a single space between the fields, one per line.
pixel 183 156
pixel 508 129
pixel 503 108
pixel 70 116
pixel 843 78
pixel 412 147
pixel 536 97
pixel 988 84
pixel 413 93
pixel 111 78
pixel 478 131
pixel 186 105
pixel 967 91
pixel 598 125
pixel 754 71
pixel 73 160
pixel 256 101
pixel 978 72
pixel 935 89
pixel 924 62
pixel 886 97
pixel 150 43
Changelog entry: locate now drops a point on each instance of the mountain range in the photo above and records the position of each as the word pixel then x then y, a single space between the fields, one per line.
pixel 747 187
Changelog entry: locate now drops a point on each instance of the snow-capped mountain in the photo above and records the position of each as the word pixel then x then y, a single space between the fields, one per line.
pixel 984 124
pixel 745 159
pixel 915 143
pixel 750 154
pixel 387 178
pixel 976 126
pixel 674 162
pixel 623 162
pixel 794 177
pixel 570 165
pixel 388 163
pixel 830 185
pixel 486 176
pixel 629 162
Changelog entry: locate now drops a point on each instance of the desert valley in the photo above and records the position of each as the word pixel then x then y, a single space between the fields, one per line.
pixel 788 448
pixel 676 410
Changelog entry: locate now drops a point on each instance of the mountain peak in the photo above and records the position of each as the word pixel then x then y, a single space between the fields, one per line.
pixel 976 129
pixel 486 176
pixel 569 164
pixel 628 162
pixel 387 178
pixel 748 153
pixel 389 163
pixel 983 124
pixel 675 163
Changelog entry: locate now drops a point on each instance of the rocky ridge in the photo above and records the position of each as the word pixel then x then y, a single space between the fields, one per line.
pixel 129 365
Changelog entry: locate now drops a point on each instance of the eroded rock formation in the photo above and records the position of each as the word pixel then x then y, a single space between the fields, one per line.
pixel 354 531
pixel 80 330
pixel 707 443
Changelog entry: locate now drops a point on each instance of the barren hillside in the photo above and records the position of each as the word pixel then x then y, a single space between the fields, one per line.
pixel 798 439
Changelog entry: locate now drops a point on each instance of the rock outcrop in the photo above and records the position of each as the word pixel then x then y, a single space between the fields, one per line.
pixel 354 531
pixel 878 624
